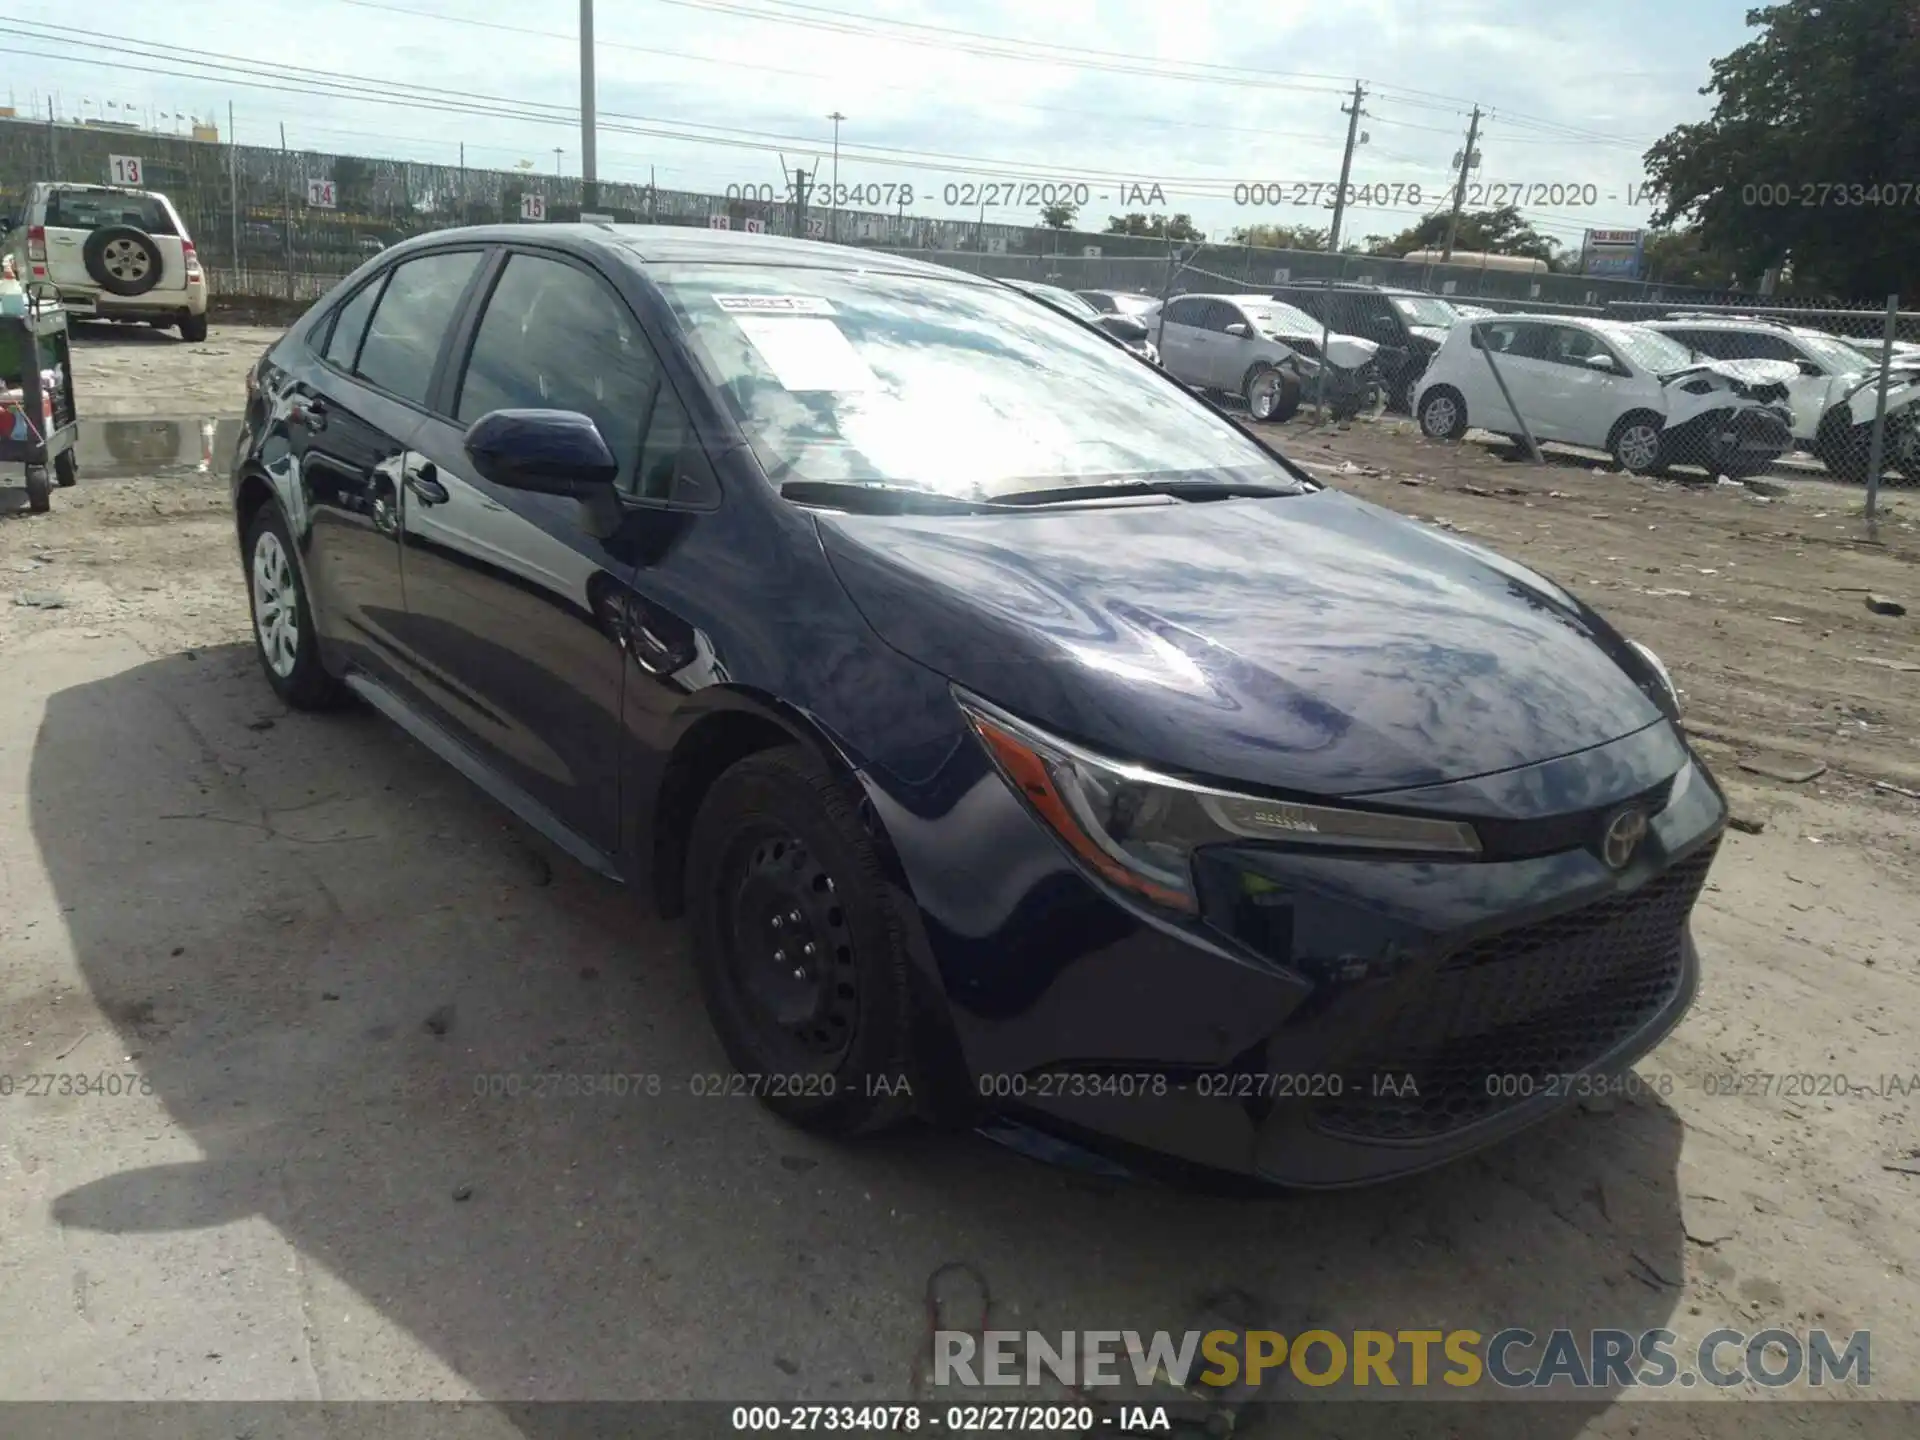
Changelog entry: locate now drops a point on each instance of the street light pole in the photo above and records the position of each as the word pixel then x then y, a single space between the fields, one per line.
pixel 834 199
pixel 589 170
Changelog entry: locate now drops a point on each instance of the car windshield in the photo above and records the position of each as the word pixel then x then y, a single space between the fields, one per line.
pixel 1280 318
pixel 1651 350
pixel 1836 355
pixel 948 386
pixel 1424 310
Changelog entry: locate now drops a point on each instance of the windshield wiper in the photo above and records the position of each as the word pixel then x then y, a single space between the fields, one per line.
pixel 1181 489
pixel 879 499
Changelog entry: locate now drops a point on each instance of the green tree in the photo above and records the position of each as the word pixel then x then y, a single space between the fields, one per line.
pixel 1813 121
pixel 1682 257
pixel 1060 216
pixel 1490 232
pixel 1281 237
pixel 352 185
pixel 1157 226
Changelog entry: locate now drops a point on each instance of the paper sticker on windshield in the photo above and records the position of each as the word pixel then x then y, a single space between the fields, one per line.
pixel 805 353
pixel 773 304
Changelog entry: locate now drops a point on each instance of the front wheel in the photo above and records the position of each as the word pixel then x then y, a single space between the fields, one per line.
pixel 1443 414
pixel 39 492
pixel 800 959
pixel 66 470
pixel 1637 444
pixel 1268 395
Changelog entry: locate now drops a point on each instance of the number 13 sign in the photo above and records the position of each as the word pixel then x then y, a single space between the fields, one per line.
pixel 125 170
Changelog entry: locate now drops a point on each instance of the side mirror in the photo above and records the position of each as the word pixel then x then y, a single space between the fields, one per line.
pixel 1600 362
pixel 548 452
pixel 1808 367
pixel 1239 330
pixel 1124 327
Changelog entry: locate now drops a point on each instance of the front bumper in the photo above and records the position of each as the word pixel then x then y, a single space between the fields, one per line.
pixel 1332 1020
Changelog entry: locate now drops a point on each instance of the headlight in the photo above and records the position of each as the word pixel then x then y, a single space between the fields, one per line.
pixel 1138 828
pixel 1659 669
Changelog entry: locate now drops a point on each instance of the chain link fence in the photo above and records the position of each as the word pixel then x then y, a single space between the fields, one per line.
pixel 286 224
pixel 1808 391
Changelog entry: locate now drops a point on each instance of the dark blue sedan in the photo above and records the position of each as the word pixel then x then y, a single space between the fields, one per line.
pixel 1024 744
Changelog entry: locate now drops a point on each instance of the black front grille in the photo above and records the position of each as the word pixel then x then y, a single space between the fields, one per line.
pixel 1497 1019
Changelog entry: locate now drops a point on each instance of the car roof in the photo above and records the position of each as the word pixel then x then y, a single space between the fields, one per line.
pixel 644 245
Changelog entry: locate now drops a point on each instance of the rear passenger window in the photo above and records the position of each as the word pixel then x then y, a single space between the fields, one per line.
pixel 556 338
pixel 349 324
pixel 411 321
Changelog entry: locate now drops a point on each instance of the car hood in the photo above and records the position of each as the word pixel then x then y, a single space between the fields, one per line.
pixel 1747 372
pixel 1312 643
pixel 1349 352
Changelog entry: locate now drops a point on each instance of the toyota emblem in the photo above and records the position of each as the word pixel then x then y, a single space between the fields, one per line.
pixel 1624 834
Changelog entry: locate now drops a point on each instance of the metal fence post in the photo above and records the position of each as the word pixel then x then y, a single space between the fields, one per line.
pixel 1877 452
pixel 1526 431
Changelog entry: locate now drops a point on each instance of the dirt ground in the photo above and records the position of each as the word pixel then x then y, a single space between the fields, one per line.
pixel 306 938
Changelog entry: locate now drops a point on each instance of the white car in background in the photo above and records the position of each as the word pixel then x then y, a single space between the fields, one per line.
pixel 112 253
pixel 1834 388
pixel 1643 397
pixel 1265 351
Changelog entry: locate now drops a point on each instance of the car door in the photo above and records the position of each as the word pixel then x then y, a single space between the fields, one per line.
pixel 1516 346
pixel 1179 325
pixel 1578 402
pixel 1229 356
pixel 514 599
pixel 351 408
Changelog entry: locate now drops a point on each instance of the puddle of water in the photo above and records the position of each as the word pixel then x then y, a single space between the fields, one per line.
pixel 156 445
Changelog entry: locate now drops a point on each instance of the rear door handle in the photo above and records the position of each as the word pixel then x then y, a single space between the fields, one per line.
pixel 424 482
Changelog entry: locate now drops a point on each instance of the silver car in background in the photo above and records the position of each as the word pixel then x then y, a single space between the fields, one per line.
pixel 1265 351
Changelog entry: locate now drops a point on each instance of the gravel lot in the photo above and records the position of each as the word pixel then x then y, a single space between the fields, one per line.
pixel 307 938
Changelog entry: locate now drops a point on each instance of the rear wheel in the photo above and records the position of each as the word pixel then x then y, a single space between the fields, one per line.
pixel 799 956
pixel 39 491
pixel 66 471
pixel 1637 445
pixel 1842 447
pixel 283 629
pixel 1443 414
pixel 194 328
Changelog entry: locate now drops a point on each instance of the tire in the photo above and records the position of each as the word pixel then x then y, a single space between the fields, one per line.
pixel 193 329
pixel 777 836
pixel 284 640
pixel 66 470
pixel 1264 391
pixel 1636 443
pixel 122 259
pixel 39 491
pixel 1443 413
pixel 1843 451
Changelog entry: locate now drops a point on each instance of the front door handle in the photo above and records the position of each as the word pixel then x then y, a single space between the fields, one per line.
pixel 424 482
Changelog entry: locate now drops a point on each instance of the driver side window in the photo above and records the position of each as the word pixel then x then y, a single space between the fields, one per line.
pixel 1220 315
pixel 556 338
pixel 1568 345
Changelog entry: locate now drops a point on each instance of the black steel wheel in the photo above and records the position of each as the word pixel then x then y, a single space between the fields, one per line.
pixel 799 955
pixel 39 491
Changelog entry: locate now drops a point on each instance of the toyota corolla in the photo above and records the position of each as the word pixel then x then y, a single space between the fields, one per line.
pixel 1024 744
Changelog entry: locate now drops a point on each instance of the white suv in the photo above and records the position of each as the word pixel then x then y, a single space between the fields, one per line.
pixel 112 253
pixel 1833 391
pixel 1608 385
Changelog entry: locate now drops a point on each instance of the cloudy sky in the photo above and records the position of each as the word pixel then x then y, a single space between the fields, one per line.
pixel 1194 96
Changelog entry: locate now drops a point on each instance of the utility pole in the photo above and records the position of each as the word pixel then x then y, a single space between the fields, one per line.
pixel 233 181
pixel 833 199
pixel 53 142
pixel 1353 113
pixel 286 206
pixel 799 185
pixel 556 159
pixel 1460 187
pixel 589 169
